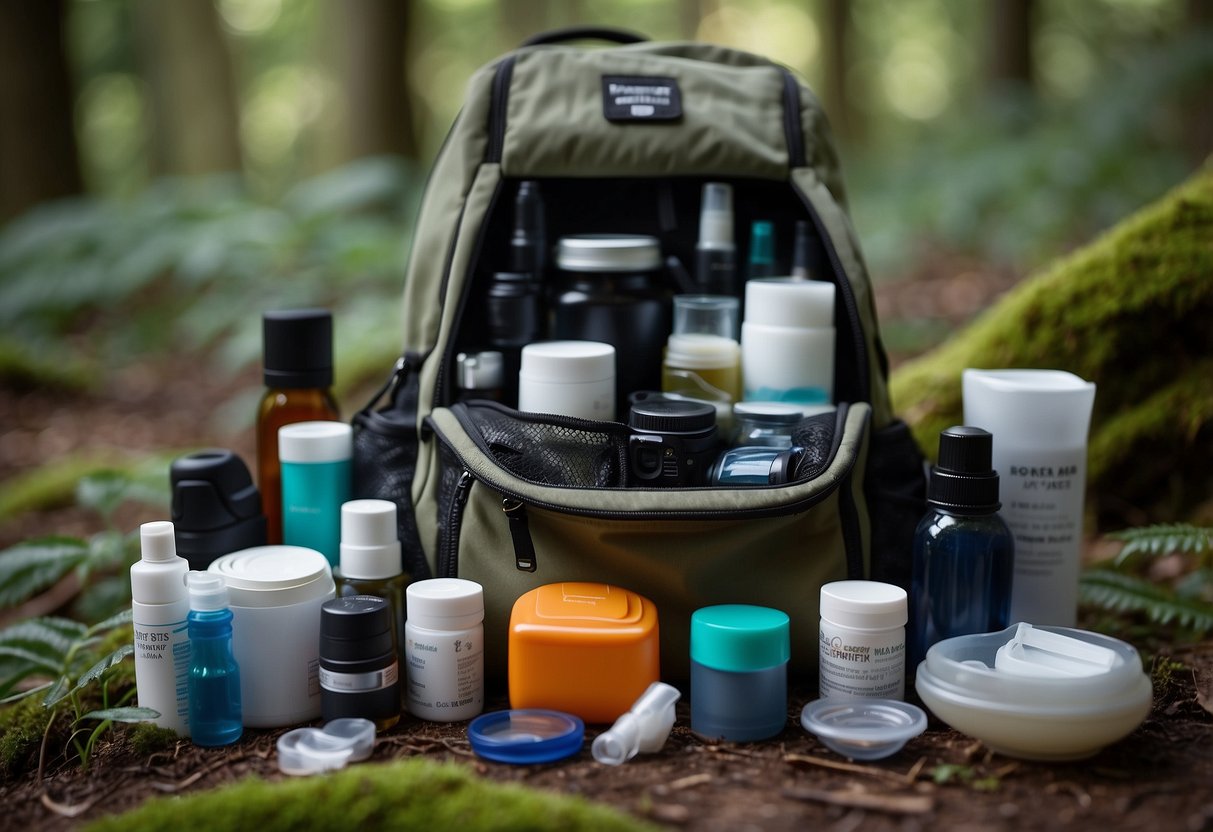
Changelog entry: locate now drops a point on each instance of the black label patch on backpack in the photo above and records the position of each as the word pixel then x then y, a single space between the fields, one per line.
pixel 640 98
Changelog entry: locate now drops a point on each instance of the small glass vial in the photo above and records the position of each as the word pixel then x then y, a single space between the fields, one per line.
pixel 444 645
pixel 863 640
pixel 703 367
pixel 216 717
pixel 739 672
pixel 359 673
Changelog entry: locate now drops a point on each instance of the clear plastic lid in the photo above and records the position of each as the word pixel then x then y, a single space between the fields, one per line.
pixel 312 750
pixel 526 736
pixel 863 729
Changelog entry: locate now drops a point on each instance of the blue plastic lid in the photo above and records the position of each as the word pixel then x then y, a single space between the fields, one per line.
pixel 526 736
pixel 739 638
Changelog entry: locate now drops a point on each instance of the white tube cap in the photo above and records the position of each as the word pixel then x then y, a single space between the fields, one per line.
pixel 315 442
pixel 158 577
pixel 369 547
pixel 865 605
pixel 444 604
pixel 157 543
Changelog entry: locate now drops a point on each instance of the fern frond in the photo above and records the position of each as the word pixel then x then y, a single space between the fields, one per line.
pixel 1125 593
pixel 48 636
pixel 1164 539
pixel 30 567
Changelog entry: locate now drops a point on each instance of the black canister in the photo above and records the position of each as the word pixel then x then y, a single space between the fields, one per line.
pixel 359 674
pixel 610 290
pixel 216 507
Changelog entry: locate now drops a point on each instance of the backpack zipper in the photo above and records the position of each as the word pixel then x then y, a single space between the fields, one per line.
pixel 520 534
pixel 448 558
pixel 498 105
pixel 792 130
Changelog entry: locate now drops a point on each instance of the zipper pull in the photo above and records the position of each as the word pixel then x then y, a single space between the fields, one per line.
pixel 520 532
pixel 461 489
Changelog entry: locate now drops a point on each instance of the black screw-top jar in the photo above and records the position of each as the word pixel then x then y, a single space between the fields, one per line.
pixel 359 674
pixel 610 290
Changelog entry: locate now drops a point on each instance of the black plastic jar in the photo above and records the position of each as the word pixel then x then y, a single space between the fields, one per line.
pixel 359 673
pixel 610 289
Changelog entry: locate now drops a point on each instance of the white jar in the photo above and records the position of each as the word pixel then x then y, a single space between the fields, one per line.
pixel 863 640
pixel 276 593
pixel 787 341
pixel 568 378
pixel 444 649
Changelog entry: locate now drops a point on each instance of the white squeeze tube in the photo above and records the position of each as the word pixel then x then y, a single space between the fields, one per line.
pixel 160 603
pixel 1040 420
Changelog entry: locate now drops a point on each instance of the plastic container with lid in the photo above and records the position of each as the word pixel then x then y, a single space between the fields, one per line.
pixel 275 594
pixel 739 672
pixel 703 367
pixel 316 480
pixel 1040 693
pixel 359 672
pixel 787 341
pixel 568 378
pixel 444 649
pixel 863 640
pixel 610 289
pixel 588 649
pixel 214 684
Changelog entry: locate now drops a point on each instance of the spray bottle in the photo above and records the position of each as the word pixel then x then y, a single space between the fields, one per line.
pixel 159 606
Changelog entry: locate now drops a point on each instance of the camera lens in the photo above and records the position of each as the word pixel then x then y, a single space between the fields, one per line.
pixel 672 443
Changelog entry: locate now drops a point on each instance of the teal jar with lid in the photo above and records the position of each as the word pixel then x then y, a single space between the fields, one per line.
pixel 739 672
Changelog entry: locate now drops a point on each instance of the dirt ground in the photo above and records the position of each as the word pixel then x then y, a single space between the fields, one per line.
pixel 1161 777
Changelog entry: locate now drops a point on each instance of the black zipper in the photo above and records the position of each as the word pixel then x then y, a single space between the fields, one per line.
pixel 498 105
pixel 520 534
pixel 792 129
pixel 448 558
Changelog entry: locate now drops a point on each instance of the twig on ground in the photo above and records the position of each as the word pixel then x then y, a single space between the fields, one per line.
pixel 852 768
pixel 689 781
pixel 894 804
pixel 225 760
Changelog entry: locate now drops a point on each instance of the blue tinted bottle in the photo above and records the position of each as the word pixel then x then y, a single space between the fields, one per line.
pixel 214 680
pixel 963 551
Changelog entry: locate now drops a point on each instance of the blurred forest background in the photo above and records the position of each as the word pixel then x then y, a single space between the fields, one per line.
pixel 170 169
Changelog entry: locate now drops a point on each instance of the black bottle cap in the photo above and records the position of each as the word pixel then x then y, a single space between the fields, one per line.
pixel 298 348
pixel 963 481
pixel 356 628
pixel 671 416
pixel 216 507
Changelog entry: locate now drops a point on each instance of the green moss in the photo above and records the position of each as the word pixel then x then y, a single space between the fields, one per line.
pixel 1131 312
pixel 25 368
pixel 146 738
pixel 21 727
pixel 411 794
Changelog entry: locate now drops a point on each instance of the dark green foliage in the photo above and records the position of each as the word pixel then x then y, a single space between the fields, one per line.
pixel 412 794
pixel 1163 539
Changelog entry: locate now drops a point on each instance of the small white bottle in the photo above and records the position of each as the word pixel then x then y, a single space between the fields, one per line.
pixel 444 649
pixel 863 640
pixel 160 606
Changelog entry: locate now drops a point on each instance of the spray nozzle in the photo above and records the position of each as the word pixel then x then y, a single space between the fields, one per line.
pixel 716 216
pixel 208 591
pixel 644 728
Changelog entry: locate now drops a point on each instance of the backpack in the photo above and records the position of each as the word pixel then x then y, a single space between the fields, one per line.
pixel 517 500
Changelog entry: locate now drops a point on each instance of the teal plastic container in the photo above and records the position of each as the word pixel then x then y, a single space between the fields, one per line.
pixel 315 462
pixel 739 672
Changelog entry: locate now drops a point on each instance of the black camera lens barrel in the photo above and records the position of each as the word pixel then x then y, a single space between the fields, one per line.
pixel 672 444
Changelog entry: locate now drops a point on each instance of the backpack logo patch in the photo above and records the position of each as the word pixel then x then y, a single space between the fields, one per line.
pixel 640 98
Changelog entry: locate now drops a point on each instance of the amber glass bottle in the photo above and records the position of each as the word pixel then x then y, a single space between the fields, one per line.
pixel 298 346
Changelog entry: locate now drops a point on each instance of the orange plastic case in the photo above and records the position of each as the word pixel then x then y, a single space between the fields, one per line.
pixel 587 649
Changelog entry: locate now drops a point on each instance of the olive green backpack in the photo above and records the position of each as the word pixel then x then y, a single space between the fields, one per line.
pixel 514 500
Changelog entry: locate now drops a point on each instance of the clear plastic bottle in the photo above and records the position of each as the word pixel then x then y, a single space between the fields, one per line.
pixel 298 345
pixel 214 682
pixel 159 607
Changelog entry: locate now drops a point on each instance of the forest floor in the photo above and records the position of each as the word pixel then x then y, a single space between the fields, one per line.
pixel 1159 777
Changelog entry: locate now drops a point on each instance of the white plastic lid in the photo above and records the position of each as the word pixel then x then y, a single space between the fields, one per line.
pixel 313 750
pixel 697 351
pixel 1018 406
pixel 158 577
pixel 370 549
pixel 208 591
pixel 568 362
pixel 444 604
pixel 864 605
pixel 1026 704
pixel 783 301
pixel 315 442
pixel 274 576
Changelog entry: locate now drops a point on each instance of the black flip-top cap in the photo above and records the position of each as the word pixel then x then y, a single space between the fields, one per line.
pixel 672 416
pixel 216 508
pixel 964 480
pixel 355 628
pixel 298 348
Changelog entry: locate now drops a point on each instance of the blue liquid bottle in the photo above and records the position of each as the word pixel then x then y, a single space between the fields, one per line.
pixel 214 680
pixel 963 551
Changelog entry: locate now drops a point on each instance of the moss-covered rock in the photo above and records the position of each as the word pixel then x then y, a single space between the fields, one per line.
pixel 1133 312
pixel 411 794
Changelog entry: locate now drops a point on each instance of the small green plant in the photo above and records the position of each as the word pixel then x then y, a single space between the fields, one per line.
pixel 1187 603
pixel 956 773
pixel 60 649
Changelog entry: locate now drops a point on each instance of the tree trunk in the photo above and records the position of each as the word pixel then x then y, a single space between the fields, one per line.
pixel 836 61
pixel 373 61
pixel 196 124
pixel 38 158
pixel 1010 40
pixel 1130 312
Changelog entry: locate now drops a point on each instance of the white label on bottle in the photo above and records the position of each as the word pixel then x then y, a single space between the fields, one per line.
pixel 445 673
pixel 1042 494
pixel 359 682
pixel 162 671
pixel 869 663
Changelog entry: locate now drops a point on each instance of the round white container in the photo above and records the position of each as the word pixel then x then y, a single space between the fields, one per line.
pixel 863 640
pixel 782 301
pixel 568 378
pixel 276 593
pixel 787 364
pixel 444 649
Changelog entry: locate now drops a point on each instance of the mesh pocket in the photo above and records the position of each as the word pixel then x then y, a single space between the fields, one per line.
pixel 556 451
pixel 816 435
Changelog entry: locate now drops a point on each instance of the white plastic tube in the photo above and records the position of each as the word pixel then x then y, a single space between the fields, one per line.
pixel 644 728
pixel 1040 420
